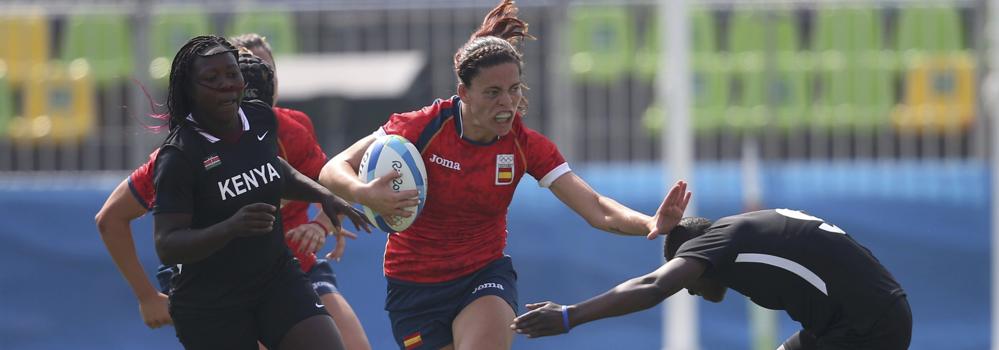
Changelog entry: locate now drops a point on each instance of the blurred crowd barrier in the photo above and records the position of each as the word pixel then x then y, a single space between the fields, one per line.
pixel 809 81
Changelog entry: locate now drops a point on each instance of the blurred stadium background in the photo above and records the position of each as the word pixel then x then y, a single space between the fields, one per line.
pixel 870 114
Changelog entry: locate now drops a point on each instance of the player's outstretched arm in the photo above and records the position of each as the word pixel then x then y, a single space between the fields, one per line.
pixel 302 188
pixel 640 293
pixel 608 215
pixel 113 222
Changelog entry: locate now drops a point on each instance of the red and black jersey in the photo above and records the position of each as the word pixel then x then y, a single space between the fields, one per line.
pixel 470 185
pixel 296 143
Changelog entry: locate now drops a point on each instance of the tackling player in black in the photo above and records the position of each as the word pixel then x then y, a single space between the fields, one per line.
pixel 782 260
pixel 219 182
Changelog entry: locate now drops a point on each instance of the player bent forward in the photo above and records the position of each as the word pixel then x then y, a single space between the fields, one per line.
pixel 781 259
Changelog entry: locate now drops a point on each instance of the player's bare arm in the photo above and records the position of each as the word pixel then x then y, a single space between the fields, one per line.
pixel 606 214
pixel 636 294
pixel 302 188
pixel 113 223
pixel 178 243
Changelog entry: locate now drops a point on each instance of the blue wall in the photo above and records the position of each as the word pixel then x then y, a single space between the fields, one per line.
pixel 928 223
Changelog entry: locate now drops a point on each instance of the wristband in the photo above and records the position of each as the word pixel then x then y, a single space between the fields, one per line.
pixel 325 229
pixel 565 317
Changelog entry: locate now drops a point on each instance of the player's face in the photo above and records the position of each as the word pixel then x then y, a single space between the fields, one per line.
pixel 266 56
pixel 708 289
pixel 491 102
pixel 217 87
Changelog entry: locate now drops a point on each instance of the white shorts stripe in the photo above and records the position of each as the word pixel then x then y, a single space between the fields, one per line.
pixel 785 264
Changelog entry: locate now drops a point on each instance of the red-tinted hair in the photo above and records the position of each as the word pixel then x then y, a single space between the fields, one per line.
pixel 493 43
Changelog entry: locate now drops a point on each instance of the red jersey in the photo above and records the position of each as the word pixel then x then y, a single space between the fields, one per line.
pixel 470 185
pixel 297 144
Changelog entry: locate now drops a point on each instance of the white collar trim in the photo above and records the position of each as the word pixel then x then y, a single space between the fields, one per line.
pixel 211 138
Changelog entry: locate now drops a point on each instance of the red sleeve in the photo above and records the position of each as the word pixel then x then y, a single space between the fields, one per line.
pixel 544 161
pixel 140 182
pixel 299 117
pixel 298 144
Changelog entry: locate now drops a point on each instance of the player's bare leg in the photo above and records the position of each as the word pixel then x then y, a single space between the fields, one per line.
pixel 484 324
pixel 346 321
pixel 314 333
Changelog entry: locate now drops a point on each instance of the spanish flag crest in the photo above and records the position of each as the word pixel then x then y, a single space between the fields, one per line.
pixel 504 169
pixel 412 341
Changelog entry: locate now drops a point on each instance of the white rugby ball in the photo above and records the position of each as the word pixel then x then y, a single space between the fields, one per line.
pixel 394 153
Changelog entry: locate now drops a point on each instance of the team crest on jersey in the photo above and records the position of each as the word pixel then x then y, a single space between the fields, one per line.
pixel 212 161
pixel 504 169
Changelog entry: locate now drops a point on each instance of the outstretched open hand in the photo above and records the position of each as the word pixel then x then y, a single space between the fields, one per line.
pixel 671 210
pixel 542 319
pixel 341 244
pixel 335 206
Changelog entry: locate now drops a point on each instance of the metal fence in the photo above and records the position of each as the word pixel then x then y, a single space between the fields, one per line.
pixel 840 80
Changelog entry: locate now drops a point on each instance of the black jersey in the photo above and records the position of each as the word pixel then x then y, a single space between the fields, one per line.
pixel 787 260
pixel 211 179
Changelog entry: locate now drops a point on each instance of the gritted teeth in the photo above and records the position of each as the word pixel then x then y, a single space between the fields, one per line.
pixel 502 117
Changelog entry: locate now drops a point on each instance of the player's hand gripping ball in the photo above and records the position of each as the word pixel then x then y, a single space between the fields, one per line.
pixel 395 153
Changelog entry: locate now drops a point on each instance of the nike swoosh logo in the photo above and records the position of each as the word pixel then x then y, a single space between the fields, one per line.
pixel 319 305
pixel 261 137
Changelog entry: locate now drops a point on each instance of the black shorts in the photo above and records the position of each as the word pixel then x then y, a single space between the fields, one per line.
pixel 287 300
pixel 422 313
pixel 321 275
pixel 892 332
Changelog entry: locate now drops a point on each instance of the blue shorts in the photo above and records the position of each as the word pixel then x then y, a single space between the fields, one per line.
pixel 425 311
pixel 321 276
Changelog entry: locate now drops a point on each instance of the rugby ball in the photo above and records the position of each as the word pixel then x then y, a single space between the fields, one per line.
pixel 394 153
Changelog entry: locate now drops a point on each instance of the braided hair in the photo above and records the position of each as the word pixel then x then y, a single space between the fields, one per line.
pixel 252 41
pixel 259 77
pixel 178 98
pixel 494 43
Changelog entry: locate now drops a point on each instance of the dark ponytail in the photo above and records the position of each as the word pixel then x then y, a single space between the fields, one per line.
pixel 258 75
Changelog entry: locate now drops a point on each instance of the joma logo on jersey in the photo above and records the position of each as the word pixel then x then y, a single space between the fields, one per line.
pixel 446 163
pixel 247 181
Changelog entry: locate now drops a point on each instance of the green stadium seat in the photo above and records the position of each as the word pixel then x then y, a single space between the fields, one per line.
pixel 854 87
pixel 277 27
pixel 711 75
pixel 703 44
pixel 168 32
pixel 648 54
pixel 929 29
pixel 24 44
pixel 104 40
pixel 939 76
pixel 6 100
pixel 763 94
pixel 602 42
